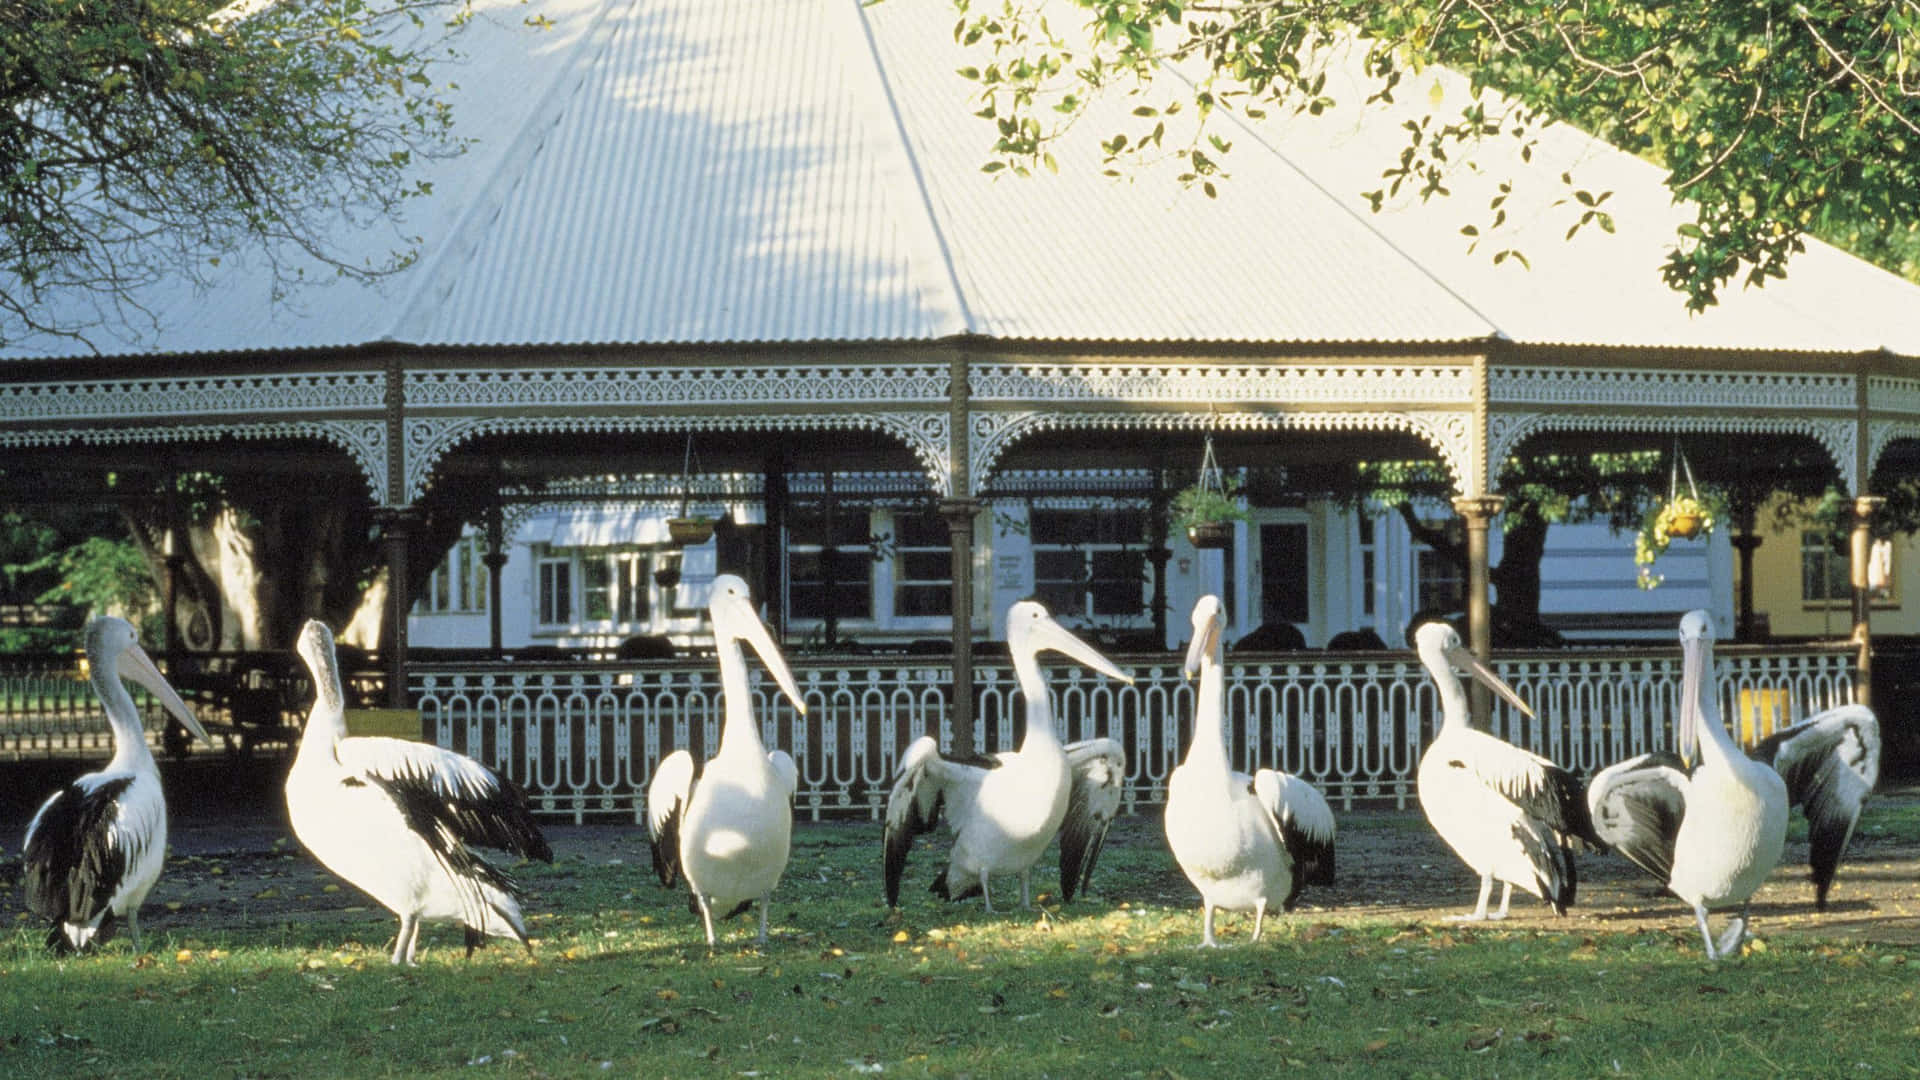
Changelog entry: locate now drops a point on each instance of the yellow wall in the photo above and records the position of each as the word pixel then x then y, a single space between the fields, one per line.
pixel 1776 589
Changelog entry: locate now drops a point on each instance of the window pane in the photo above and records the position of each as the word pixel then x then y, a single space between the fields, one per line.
pixel 1283 562
pixel 808 526
pixel 634 585
pixel 1057 565
pixel 1839 577
pixel 1824 575
pixel 1055 527
pixel 1119 582
pixel 596 589
pixel 924 566
pixel 923 600
pixel 920 530
pixel 476 578
pixel 1440 586
pixel 556 593
pixel 1060 599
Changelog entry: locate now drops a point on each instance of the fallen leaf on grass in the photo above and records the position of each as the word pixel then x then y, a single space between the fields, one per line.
pixel 1483 1040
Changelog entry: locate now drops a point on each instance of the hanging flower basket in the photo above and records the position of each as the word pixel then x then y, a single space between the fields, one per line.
pixel 667 577
pixel 1682 517
pixel 1685 519
pixel 1208 508
pixel 689 531
pixel 1210 534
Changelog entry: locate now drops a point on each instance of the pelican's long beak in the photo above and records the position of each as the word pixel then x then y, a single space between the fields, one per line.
pixel 1692 670
pixel 1048 634
pixel 1206 635
pixel 1463 659
pixel 135 664
pixel 746 624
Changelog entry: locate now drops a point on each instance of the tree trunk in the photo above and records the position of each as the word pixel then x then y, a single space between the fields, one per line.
pixel 258 566
pixel 1515 580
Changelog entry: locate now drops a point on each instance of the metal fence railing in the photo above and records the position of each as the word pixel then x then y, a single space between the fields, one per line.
pixel 584 739
pixel 48 708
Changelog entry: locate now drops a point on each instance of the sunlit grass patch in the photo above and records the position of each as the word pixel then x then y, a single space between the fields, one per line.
pixel 622 983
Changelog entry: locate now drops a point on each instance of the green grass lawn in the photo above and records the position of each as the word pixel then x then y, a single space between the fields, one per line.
pixel 621 984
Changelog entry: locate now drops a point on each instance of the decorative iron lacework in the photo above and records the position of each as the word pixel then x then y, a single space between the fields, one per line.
pixel 1888 394
pixel 1075 482
pixel 429 438
pixel 1318 384
pixel 131 399
pixel 1743 390
pixel 643 487
pixel 487 388
pixel 365 441
pixel 1884 433
pixel 725 486
pixel 1839 437
pixel 1448 432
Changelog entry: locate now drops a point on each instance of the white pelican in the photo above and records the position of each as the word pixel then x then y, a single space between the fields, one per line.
pixel 728 828
pixel 1005 809
pixel 1830 763
pixel 1712 832
pixel 94 849
pixel 1245 842
pixel 395 818
pixel 1510 814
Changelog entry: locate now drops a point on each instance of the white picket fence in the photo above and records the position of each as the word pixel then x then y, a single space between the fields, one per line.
pixel 584 739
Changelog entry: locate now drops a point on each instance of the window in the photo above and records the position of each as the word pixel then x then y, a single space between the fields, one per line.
pixel 820 581
pixel 1441 582
pixel 1369 574
pixel 922 565
pixel 1090 562
pixel 613 586
pixel 555 580
pixel 459 584
pixel 1286 577
pixel 1824 576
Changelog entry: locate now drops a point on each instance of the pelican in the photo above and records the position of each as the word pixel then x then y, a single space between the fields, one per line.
pixel 1245 842
pixel 94 849
pixel 1713 830
pixel 396 819
pixel 1511 815
pixel 1830 762
pixel 1004 810
pixel 728 827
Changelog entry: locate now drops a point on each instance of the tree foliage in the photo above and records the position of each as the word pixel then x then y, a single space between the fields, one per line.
pixel 143 138
pixel 1775 120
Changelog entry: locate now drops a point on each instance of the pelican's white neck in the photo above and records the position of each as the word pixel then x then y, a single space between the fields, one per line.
pixel 738 732
pixel 1716 746
pixel 1454 710
pixel 123 715
pixel 327 719
pixel 1026 669
pixel 1209 712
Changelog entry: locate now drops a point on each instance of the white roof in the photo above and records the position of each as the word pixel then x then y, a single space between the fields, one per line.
pixel 732 171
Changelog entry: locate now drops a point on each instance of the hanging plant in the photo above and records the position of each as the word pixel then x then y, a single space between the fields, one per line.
pixel 688 530
pixel 1208 507
pixel 1683 516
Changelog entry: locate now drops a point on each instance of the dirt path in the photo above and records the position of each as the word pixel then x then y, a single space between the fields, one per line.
pixel 1391 864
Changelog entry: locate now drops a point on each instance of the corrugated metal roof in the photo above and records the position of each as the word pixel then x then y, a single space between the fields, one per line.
pixel 715 171
pixel 1599 288
pixel 1080 255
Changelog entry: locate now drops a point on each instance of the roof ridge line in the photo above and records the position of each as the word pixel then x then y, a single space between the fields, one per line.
pixel 1495 331
pixel 541 120
pixel 968 325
